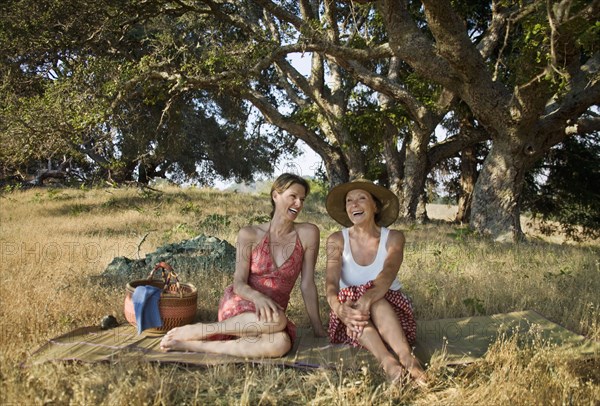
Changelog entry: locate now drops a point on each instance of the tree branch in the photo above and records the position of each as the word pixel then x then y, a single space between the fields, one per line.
pixel 584 91
pixel 417 110
pixel 453 145
pixel 584 126
pixel 276 118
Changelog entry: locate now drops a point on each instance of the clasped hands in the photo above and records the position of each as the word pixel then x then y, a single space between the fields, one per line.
pixel 355 316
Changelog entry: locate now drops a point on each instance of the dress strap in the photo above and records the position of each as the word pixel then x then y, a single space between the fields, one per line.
pixel 264 240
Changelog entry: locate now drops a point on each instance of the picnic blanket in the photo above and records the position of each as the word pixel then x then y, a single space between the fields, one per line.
pixel 451 341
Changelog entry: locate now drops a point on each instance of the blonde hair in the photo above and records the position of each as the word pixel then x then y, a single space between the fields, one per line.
pixel 283 183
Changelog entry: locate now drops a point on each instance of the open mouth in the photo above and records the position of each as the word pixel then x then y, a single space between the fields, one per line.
pixel 357 213
pixel 295 211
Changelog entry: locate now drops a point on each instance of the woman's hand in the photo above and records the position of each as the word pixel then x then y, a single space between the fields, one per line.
pixel 354 334
pixel 354 319
pixel 364 303
pixel 267 309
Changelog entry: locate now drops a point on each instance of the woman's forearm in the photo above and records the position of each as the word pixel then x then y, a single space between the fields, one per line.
pixel 244 290
pixel 332 298
pixel 311 302
pixel 377 291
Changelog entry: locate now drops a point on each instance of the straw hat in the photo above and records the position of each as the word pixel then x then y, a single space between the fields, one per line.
pixel 336 202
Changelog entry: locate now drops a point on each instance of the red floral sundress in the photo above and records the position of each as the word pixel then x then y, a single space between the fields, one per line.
pixel 267 278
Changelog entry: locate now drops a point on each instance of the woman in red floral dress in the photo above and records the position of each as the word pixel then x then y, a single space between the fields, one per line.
pixel 368 308
pixel 270 257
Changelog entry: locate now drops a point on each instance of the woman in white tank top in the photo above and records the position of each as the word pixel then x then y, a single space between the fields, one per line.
pixel 368 308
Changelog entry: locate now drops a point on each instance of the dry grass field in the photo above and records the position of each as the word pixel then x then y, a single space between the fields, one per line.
pixel 54 242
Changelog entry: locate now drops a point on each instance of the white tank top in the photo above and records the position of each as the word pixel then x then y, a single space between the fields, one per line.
pixel 355 274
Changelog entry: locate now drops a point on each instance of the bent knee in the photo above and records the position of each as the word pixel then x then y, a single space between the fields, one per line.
pixel 280 344
pixel 279 322
pixel 381 304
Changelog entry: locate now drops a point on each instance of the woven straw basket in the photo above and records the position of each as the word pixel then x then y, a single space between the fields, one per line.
pixel 178 301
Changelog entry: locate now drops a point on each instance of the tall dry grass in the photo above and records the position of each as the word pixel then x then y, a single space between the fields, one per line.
pixel 54 242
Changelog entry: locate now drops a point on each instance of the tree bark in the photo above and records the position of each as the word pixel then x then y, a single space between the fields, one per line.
pixel 496 197
pixel 421 212
pixel 393 159
pixel 394 163
pixel 468 178
pixel 48 174
pixel 415 172
pixel 337 172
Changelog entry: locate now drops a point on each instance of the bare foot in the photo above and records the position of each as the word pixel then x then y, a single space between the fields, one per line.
pixel 191 332
pixel 421 381
pixel 169 343
pixel 393 370
pixel 417 373
pixel 418 376
pixel 414 368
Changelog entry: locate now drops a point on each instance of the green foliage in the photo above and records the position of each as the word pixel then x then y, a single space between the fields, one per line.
pixel 56 194
pixel 11 188
pixel 474 305
pixel 318 190
pixel 548 38
pixel 141 90
pixel 589 38
pixel 463 234
pixel 564 190
pixel 307 115
pixel 259 219
pixel 190 208
pixel 95 104
pixel 215 221
pixel 529 50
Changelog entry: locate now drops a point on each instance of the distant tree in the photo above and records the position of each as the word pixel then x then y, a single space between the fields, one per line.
pixel 66 93
pixel 563 190
pixel 541 77
pixel 461 170
pixel 527 71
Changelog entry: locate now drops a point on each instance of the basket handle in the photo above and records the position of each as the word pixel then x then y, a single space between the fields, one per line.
pixel 168 275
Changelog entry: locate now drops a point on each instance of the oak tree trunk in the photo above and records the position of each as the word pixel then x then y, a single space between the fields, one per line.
pixel 495 210
pixel 393 159
pixel 468 177
pixel 415 173
pixel 337 171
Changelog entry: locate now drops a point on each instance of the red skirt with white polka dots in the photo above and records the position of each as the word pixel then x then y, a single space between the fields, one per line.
pixel 399 301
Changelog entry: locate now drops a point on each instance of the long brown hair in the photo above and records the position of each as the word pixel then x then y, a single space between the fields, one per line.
pixel 283 182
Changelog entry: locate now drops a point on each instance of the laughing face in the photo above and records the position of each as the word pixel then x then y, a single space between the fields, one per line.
pixel 290 202
pixel 360 206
